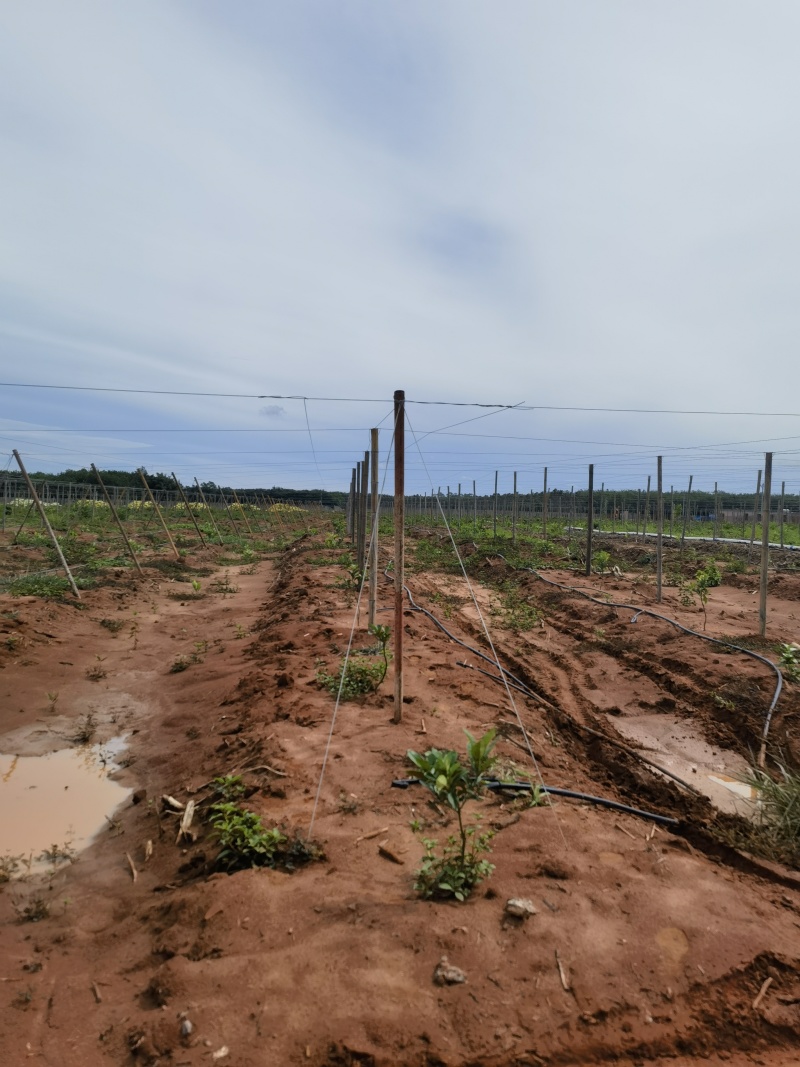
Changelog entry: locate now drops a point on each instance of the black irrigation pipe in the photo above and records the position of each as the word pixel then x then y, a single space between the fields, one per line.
pixel 520 686
pixel 694 633
pixel 551 790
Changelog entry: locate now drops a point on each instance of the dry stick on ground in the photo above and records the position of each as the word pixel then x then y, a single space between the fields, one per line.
pixel 131 864
pixel 762 993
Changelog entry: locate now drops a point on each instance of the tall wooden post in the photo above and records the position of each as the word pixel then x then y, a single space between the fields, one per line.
pixel 716 511
pixel 660 528
pixel 351 498
pixel 783 501
pixel 544 506
pixel 601 506
pixel 373 560
pixel 514 513
pixel 362 514
pixel 646 514
pixel 399 545
pixel 474 509
pixel 241 510
pixel 687 504
pixel 117 520
pixel 765 509
pixel 494 520
pixel 671 507
pixel 590 521
pixel 756 503
pixel 46 523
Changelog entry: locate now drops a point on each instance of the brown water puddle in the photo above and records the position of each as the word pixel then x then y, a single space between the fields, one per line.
pixel 57 799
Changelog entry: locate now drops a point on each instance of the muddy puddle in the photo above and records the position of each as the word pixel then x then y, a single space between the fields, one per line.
pixel 672 743
pixel 59 799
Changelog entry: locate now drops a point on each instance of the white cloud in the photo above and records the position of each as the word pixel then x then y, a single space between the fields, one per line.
pixel 566 204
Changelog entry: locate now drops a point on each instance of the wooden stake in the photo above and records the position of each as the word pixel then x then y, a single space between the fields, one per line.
pixel 117 520
pixel 716 511
pixel 514 513
pixel 646 515
pixel 783 500
pixel 362 514
pixel 544 506
pixel 756 503
pixel 46 523
pixel 590 521
pixel 474 509
pixel 185 504
pixel 157 511
pixel 494 520
pixel 765 507
pixel 208 509
pixel 373 561
pixel 687 503
pixel 399 546
pixel 660 529
pixel 244 513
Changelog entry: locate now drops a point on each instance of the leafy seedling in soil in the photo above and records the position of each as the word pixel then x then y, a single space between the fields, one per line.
pixel 704 580
pixel 790 661
pixel 33 911
pixel 245 842
pixel 602 561
pixel 454 869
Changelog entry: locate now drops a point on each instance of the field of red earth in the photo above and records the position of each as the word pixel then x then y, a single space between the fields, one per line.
pixel 648 944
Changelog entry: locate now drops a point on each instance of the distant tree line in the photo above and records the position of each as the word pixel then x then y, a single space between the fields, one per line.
pixel 159 480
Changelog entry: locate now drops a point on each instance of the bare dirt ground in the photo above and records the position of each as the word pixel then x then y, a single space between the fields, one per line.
pixel 649 945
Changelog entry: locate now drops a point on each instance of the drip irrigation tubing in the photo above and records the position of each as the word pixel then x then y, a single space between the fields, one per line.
pixel 673 622
pixel 556 791
pixel 688 537
pixel 521 687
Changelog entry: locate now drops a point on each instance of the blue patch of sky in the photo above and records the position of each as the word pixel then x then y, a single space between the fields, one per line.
pixel 373 66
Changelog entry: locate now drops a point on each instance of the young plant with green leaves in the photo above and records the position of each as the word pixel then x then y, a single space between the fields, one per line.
pixel 704 580
pixel 454 869
pixel 790 661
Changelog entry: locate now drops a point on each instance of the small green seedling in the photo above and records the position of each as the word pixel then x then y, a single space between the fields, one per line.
pixel 790 661
pixel 454 869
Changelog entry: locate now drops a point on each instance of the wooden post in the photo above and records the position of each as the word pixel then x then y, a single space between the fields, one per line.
pixel 46 523
pixel 601 505
pixel 590 521
pixel 614 513
pixel 474 509
pixel 351 506
pixel 716 511
pixel 783 498
pixel 514 514
pixel 373 560
pixel 244 513
pixel 117 520
pixel 544 507
pixel 659 528
pixel 756 503
pixel 572 510
pixel 399 546
pixel 765 509
pixel 687 503
pixel 494 520
pixel 230 513
pixel 638 507
pixel 362 514
pixel 183 498
pixel 208 509
pixel 157 510
pixel 646 514
pixel 671 507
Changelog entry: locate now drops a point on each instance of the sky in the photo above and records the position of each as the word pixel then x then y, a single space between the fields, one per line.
pixel 558 206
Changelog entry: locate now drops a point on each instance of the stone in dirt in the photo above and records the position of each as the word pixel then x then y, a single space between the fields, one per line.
pixel 446 974
pixel 519 908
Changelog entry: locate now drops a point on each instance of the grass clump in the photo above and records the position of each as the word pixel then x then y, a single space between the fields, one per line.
pixel 354 678
pixel 779 809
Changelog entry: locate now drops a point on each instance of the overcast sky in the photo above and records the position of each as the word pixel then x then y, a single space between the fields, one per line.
pixel 568 204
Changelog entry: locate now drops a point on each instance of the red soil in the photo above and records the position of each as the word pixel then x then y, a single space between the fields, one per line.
pixel 663 939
